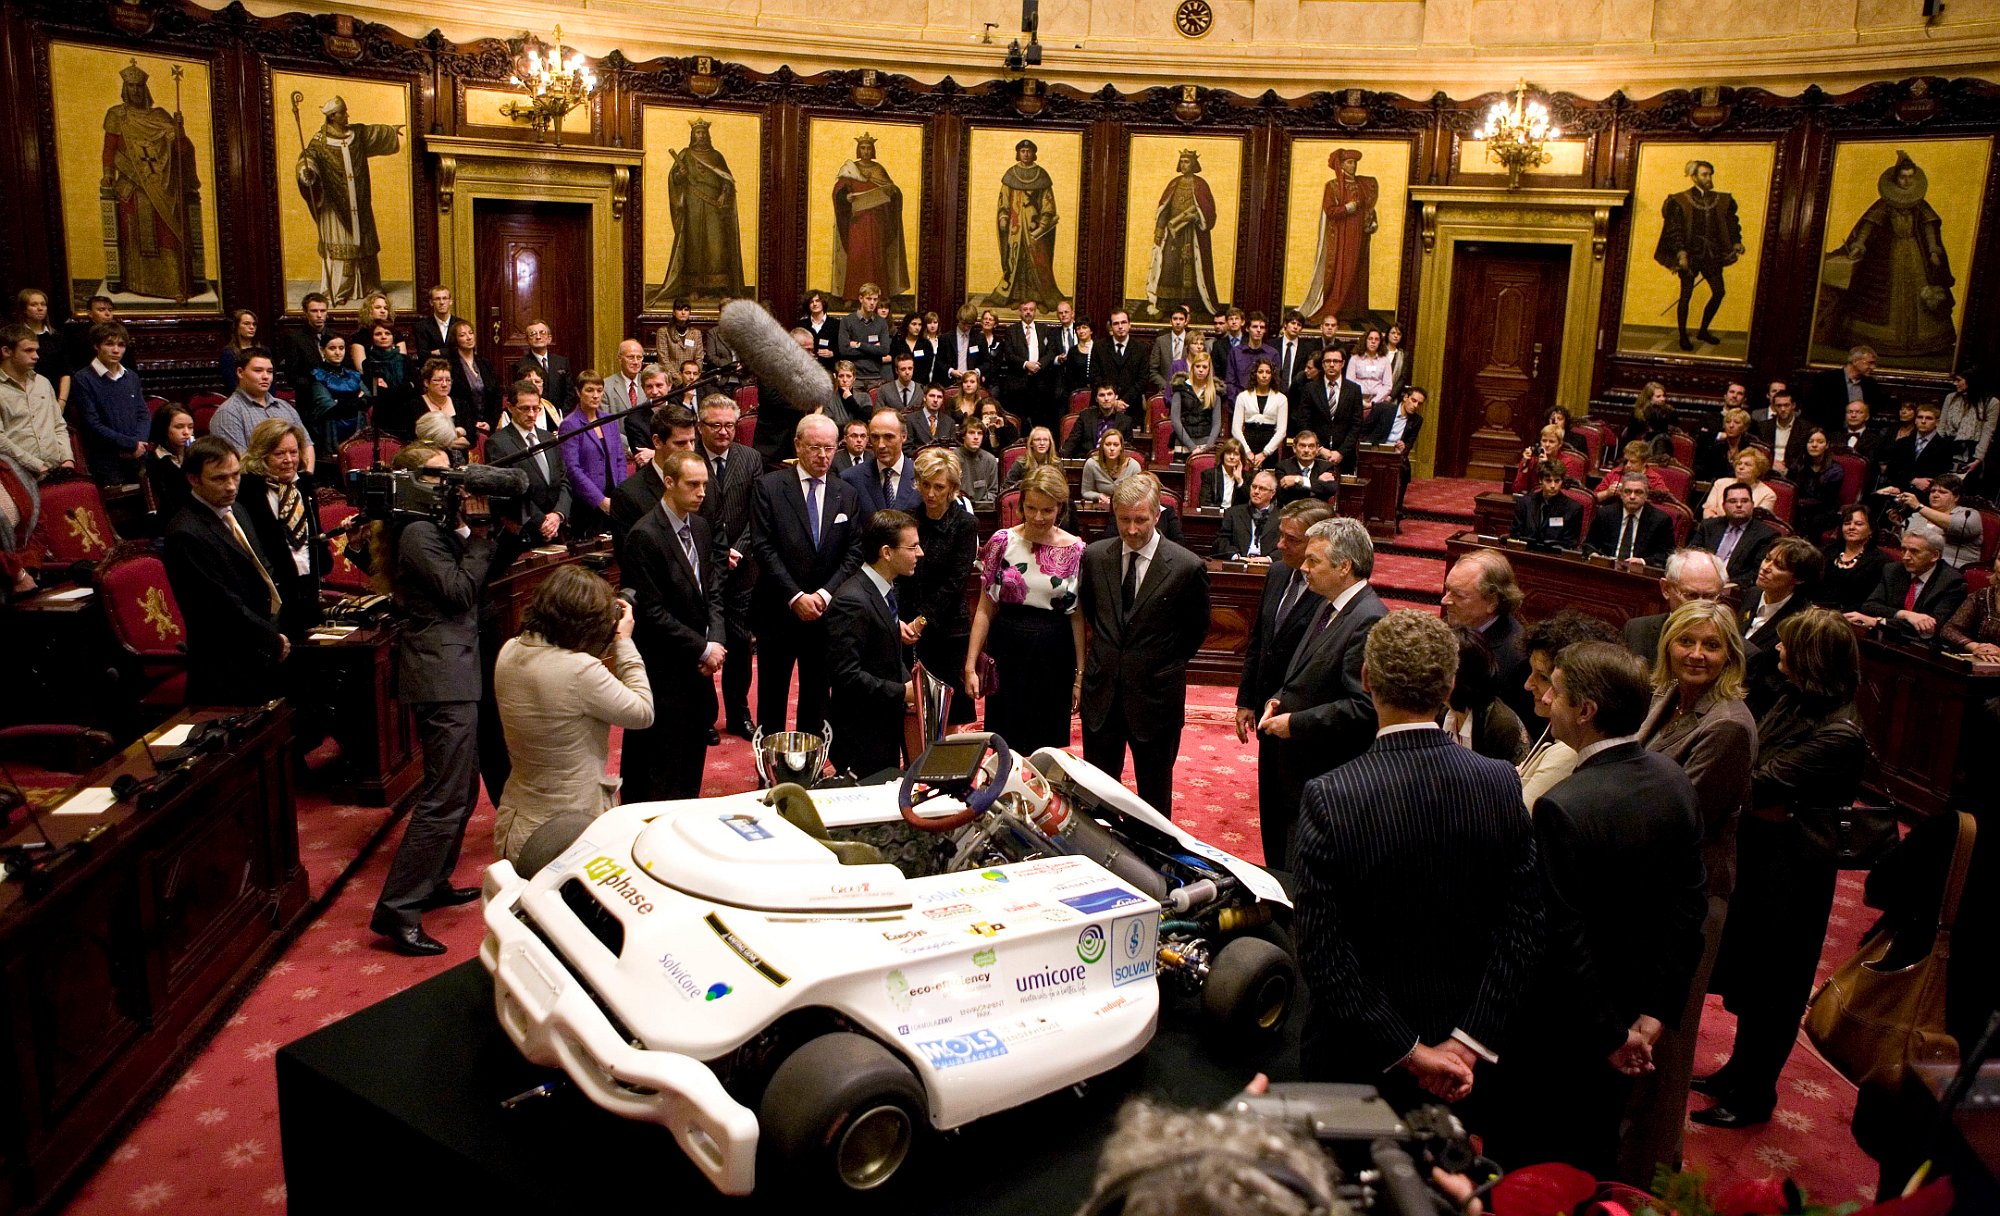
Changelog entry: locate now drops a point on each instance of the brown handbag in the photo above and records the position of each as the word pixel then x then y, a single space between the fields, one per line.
pixel 1873 1025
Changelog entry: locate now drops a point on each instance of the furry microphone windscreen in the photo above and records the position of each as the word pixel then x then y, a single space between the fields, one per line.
pixel 770 353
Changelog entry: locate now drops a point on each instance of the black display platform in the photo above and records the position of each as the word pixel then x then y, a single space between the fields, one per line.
pixel 397 1109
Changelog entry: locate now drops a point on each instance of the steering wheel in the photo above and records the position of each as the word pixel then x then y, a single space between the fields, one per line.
pixel 977 799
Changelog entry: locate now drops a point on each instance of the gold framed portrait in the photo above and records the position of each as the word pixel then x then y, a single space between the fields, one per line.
pixel 1699 212
pixel 1902 220
pixel 135 159
pixel 346 209
pixel 1345 214
pixel 1183 211
pixel 704 188
pixel 1023 200
pixel 864 204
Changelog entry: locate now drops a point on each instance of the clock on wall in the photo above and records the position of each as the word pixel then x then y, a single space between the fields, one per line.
pixel 1193 18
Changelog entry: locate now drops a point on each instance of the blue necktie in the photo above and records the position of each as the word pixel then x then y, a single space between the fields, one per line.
pixel 890 596
pixel 812 508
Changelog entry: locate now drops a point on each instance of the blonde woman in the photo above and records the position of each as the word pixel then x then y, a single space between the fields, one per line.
pixel 1041 453
pixel 1198 406
pixel 1108 466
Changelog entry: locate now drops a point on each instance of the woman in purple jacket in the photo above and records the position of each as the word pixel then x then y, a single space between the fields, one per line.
pixel 595 462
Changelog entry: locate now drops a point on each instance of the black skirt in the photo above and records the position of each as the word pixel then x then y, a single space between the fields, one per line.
pixel 1035 657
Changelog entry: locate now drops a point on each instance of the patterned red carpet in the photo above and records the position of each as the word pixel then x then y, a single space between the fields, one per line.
pixel 211 1144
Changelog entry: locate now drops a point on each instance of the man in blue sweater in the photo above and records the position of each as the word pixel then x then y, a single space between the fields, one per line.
pixel 111 408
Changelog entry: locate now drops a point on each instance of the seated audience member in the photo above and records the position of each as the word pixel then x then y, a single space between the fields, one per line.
pixel 547 503
pixel 222 582
pixel 1619 847
pixel 1913 461
pixel 1475 716
pixel 1258 419
pixel 930 424
pixel 1040 454
pixel 1573 439
pixel 978 469
pixel 1975 627
pixel 1737 536
pixel 888 479
pixel 1370 368
pixel 32 431
pixel 1784 432
pixel 569 677
pixel 1530 470
pixel 385 373
pixel 1249 530
pixel 242 336
pixel 252 403
pixel 1654 420
pixel 1000 433
pixel 1223 486
pixel 1906 426
pixel 1852 562
pixel 284 521
pixel 1441 828
pixel 1751 465
pixel 1548 517
pixel 678 341
pixel 1964 530
pixel 1917 593
pixel 1691 574
pixel 1819 481
pixel 302 346
pixel 853 445
pixel 437 431
pixel 436 402
pixel 594 463
pixel 333 396
pixel 1637 532
pixel 171 435
pixel 970 387
pixel 1638 459
pixel 1398 428
pixel 901 392
pixel 1858 436
pixel 1550 760
pixel 871 686
pixel 1715 457
pixel 1480 593
pixel 1786 581
pixel 1107 466
pixel 110 407
pixel 1810 753
pixel 1197 407
pixel 1308 472
pixel 1106 413
pixel 850 404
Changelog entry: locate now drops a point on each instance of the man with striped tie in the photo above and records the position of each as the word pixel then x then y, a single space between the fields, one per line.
pixel 675 565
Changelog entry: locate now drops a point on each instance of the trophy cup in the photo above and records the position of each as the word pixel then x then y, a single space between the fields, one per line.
pixel 792 755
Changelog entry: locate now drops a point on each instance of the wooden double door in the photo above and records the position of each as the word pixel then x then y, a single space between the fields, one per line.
pixel 1503 355
pixel 533 263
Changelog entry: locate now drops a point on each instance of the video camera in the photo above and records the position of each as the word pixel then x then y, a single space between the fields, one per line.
pixel 1384 1159
pixel 407 495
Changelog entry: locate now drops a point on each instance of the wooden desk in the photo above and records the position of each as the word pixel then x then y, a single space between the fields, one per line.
pixel 355 677
pixel 1554 581
pixel 111 974
pixel 1234 591
pixel 1379 468
pixel 1493 513
pixel 510 592
pixel 68 665
pixel 1914 703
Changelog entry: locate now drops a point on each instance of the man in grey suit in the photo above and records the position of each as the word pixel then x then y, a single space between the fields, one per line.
pixel 1692 574
pixel 622 390
pixel 1321 717
pixel 1282 616
pixel 733 470
pixel 438 578
pixel 1146 599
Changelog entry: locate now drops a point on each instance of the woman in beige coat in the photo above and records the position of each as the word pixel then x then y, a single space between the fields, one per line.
pixel 571 676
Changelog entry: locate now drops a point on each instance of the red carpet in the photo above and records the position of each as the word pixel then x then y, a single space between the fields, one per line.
pixel 211 1146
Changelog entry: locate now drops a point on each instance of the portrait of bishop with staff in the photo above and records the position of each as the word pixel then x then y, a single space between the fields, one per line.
pixel 334 181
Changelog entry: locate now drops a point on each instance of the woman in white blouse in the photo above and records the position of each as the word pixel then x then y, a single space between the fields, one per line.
pixel 1259 421
pixel 1399 360
pixel 1373 370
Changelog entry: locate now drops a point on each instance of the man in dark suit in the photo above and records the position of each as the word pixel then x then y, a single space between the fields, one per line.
pixel 675 564
pixel 1027 352
pixel 303 347
pixel 1918 593
pixel 547 503
pixel 804 533
pixel 1106 412
pixel 1917 459
pixel 1282 615
pixel 1249 530
pixel 1419 910
pixel 1331 407
pixel 1638 533
pixel 431 335
pixel 1320 717
pixel 1549 517
pixel 959 350
pixel 1292 354
pixel 865 649
pixel 931 423
pixel 1859 436
pixel 671 429
pixel 1480 594
pixel 1170 346
pixel 1830 391
pixel 1739 538
pixel 1692 574
pixel 1398 428
pixel 1308 471
pixel 1147 600
pixel 222 581
pixel 1123 363
pixel 1243 359
pixel 1619 841
pixel 900 392
pixel 733 470
pixel 439 578
pixel 889 480
pixel 1785 433
pixel 558 389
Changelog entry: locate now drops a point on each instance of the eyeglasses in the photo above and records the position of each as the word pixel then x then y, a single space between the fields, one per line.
pixel 818 447
pixel 718 424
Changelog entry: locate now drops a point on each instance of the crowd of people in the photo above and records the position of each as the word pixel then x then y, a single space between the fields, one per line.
pixel 1578 833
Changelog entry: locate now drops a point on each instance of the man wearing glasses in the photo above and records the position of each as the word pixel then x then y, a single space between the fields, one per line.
pixel 733 470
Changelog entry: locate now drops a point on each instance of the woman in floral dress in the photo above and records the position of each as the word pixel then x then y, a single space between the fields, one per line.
pixel 1027 621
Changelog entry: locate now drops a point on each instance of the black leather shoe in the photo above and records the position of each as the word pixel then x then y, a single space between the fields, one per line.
pixel 714 737
pixel 412 940
pixel 451 897
pixel 1724 1116
pixel 742 731
pixel 1714 1085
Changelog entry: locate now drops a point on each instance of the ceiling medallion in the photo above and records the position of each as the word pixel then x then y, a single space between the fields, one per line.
pixel 1194 18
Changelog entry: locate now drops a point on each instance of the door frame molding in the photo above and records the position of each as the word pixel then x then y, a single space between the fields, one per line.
pixel 599 178
pixel 1449 215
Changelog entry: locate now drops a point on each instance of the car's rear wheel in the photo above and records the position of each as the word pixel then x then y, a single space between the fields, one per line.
pixel 841 1114
pixel 1250 989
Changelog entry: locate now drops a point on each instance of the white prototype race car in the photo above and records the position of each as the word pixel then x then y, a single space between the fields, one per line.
pixel 789 1005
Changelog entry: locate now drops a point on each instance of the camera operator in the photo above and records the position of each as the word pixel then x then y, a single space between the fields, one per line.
pixel 436 574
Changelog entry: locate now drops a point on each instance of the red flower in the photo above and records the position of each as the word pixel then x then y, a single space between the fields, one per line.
pixel 1753 1197
pixel 1543 1190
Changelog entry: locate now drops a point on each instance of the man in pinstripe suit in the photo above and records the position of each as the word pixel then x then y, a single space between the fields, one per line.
pixel 1419 910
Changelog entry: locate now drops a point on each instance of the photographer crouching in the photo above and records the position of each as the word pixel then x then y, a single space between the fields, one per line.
pixel 425 555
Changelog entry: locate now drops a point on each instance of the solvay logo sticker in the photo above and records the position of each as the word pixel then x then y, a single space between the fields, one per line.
pixel 1136 959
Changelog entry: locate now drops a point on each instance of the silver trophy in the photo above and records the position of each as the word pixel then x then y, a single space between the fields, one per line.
pixel 792 755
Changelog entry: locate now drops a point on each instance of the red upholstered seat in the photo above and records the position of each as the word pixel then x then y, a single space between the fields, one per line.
pixel 1595 439
pixel 1078 401
pixel 746 398
pixel 1588 501
pixel 1787 493
pixel 210 400
pixel 1574 464
pixel 146 621
pixel 746 426
pixel 1010 507
pixel 203 415
pixel 1159 428
pixel 1853 475
pixel 1068 425
pixel 1680 513
pixel 1197 466
pixel 346 578
pixel 1683 446
pixel 359 452
pixel 1677 476
pixel 1976 578
pixel 1989 540
pixel 75 526
pixel 1008 455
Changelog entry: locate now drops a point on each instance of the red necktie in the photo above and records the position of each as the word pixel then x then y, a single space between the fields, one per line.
pixel 632 392
pixel 1910 596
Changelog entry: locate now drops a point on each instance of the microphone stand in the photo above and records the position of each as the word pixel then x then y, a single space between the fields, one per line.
pixel 616 416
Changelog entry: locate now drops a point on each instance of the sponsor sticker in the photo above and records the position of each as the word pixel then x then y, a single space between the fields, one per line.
pixel 968 1048
pixel 949 911
pixel 985 958
pixel 1102 901
pixel 745 826
pixel 562 864
pixel 993 876
pixel 1090 943
pixel 1132 938
pixel 612 877
pixel 777 978
pixel 986 928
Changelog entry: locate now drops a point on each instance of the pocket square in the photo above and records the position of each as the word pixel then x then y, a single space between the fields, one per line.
pixel 840 518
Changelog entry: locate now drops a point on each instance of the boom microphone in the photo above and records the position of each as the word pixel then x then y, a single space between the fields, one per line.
pixel 768 350
pixel 488 481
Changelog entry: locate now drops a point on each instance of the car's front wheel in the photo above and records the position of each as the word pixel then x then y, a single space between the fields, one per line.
pixel 841 1114
pixel 1250 989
